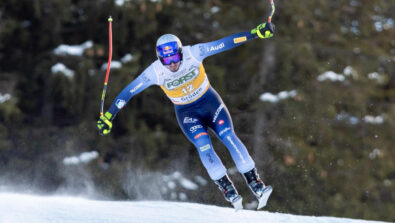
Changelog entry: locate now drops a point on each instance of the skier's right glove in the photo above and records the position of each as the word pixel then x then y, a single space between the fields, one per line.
pixel 264 30
pixel 104 124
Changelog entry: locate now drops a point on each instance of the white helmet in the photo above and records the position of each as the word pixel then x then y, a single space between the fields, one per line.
pixel 169 49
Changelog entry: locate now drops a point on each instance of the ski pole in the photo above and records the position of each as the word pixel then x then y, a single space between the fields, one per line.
pixel 272 12
pixel 108 64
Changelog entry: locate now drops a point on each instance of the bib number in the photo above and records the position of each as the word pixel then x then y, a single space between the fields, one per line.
pixel 188 89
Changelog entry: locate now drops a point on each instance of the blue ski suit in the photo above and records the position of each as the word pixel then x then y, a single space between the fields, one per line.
pixel 197 105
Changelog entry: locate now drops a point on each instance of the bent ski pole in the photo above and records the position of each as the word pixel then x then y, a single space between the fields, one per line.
pixel 108 64
pixel 272 12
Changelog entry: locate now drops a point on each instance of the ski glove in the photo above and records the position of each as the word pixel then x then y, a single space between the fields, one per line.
pixel 264 30
pixel 104 124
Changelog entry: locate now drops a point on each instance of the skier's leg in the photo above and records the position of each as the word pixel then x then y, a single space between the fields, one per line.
pixel 223 127
pixel 212 163
pixel 208 156
pixel 197 133
pixel 216 116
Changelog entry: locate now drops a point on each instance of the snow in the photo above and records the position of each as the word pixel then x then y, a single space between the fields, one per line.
pixel 187 184
pixel 178 177
pixel 346 117
pixel 381 23
pixel 74 50
pixel 200 180
pixel 214 9
pixel 22 208
pixel 354 120
pixel 269 97
pixel 4 97
pixel 61 68
pixel 122 2
pixel 182 196
pixel 114 65
pixel 375 153
pixel 387 183
pixel 127 58
pixel 171 185
pixel 355 27
pixel 330 75
pixel 119 2
pixel 373 119
pixel 348 71
pixel 376 76
pixel 84 157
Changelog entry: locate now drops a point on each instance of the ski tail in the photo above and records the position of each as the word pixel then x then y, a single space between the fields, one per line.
pixel 238 203
pixel 265 196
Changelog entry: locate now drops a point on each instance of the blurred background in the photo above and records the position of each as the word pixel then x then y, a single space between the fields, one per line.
pixel 315 104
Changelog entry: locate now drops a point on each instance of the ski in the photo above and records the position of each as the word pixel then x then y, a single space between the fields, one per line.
pixel 238 203
pixel 262 201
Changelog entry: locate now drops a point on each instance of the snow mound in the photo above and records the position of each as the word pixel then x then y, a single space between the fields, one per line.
pixel 74 50
pixel 19 208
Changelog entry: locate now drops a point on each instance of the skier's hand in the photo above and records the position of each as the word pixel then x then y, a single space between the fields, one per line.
pixel 264 30
pixel 104 124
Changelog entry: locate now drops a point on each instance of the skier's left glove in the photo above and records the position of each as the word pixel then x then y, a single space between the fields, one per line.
pixel 264 30
pixel 104 124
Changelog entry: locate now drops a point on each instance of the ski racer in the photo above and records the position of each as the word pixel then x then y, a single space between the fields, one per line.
pixel 180 73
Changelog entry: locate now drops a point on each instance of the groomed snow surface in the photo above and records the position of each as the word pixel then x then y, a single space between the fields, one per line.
pixel 21 208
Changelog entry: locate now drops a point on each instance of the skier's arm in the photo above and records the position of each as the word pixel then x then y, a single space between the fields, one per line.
pixel 143 81
pixel 203 50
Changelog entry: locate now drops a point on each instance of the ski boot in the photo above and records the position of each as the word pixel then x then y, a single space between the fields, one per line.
pixel 257 187
pixel 229 191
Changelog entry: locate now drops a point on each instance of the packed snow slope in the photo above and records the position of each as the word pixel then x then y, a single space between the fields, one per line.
pixel 20 208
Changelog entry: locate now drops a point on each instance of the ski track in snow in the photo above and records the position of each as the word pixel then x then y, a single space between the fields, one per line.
pixel 21 208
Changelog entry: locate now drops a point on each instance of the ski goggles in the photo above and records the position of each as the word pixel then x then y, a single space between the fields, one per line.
pixel 171 59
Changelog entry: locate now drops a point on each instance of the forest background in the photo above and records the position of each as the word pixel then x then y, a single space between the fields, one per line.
pixel 314 104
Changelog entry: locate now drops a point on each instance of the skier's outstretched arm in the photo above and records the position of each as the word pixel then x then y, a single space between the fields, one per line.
pixel 143 81
pixel 203 50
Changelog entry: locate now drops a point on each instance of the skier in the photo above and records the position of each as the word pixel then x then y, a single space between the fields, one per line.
pixel 180 73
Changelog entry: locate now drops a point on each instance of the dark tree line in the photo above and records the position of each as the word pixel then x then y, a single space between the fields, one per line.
pixel 318 149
